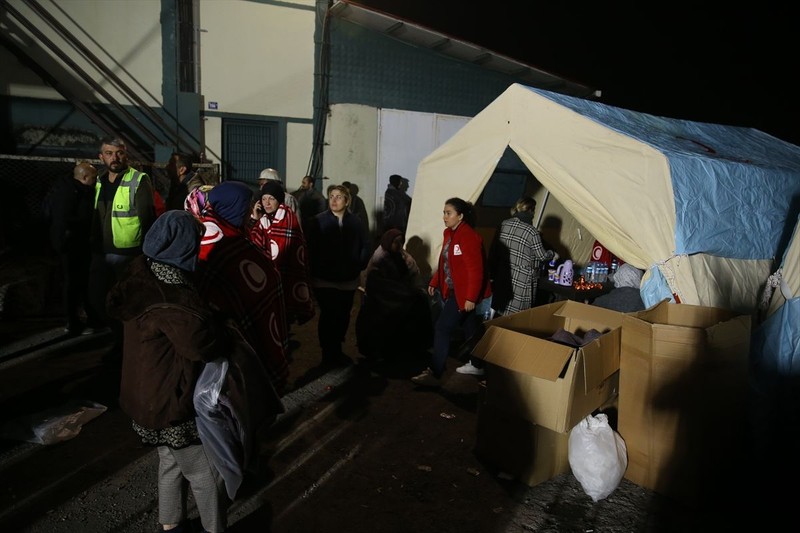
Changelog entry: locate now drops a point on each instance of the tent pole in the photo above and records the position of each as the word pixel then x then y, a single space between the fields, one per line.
pixel 541 211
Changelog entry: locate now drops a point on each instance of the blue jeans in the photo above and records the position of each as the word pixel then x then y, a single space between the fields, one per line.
pixel 449 319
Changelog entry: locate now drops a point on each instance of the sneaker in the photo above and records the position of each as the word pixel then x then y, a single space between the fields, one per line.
pixel 469 368
pixel 426 379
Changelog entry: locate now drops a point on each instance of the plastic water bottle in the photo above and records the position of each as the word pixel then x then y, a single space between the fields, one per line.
pixel 590 272
pixel 614 266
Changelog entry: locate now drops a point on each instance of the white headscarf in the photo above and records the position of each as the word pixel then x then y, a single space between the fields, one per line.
pixel 627 276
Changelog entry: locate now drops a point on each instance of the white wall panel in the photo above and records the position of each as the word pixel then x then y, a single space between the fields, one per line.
pixel 405 139
pixel 258 58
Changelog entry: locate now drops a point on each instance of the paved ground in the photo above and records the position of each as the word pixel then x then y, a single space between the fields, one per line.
pixel 359 449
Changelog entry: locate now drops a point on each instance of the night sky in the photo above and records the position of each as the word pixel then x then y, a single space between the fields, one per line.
pixel 734 66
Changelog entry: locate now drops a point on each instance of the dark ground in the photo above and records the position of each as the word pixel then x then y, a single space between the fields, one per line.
pixel 360 450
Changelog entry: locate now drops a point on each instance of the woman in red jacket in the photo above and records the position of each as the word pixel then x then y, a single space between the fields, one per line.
pixel 462 278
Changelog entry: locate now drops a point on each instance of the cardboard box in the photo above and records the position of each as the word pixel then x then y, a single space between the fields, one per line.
pixel 682 399
pixel 551 384
pixel 529 453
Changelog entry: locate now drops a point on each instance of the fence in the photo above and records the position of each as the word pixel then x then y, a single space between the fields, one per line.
pixel 26 180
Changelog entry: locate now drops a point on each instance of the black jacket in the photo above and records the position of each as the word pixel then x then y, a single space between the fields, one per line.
pixel 69 206
pixel 337 253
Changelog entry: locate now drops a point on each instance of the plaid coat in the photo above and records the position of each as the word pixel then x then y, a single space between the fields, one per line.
pixel 515 259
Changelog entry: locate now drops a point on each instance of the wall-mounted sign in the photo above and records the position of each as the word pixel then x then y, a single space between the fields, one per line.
pixel 213 105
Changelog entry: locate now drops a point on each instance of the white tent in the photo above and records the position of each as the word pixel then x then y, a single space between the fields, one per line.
pixel 701 207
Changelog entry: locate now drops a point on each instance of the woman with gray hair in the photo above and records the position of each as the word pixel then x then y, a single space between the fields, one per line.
pixel 169 333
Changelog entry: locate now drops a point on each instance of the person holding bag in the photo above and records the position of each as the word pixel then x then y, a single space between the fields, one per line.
pixel 169 333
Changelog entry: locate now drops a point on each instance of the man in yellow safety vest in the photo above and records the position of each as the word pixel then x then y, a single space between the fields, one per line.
pixel 124 211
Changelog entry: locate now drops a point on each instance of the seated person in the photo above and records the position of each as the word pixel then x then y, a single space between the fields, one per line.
pixel 625 297
pixel 395 315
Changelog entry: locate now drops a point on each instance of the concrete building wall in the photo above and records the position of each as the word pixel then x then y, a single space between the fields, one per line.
pixel 351 150
pixel 257 60
pixel 299 138
pixel 127 41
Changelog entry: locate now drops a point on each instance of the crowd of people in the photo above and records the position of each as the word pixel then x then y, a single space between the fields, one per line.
pixel 187 275
pixel 217 267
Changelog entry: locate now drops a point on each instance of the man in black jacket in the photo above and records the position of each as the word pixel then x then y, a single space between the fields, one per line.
pixel 70 204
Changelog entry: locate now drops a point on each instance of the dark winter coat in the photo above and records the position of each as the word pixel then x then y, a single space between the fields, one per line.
pixel 395 315
pixel 69 206
pixel 338 253
pixel 358 208
pixel 169 334
pixel 396 208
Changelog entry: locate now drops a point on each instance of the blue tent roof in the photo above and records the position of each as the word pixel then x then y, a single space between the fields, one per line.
pixel 734 187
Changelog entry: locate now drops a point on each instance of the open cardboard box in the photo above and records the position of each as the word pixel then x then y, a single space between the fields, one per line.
pixel 682 398
pixel 551 384
pixel 527 452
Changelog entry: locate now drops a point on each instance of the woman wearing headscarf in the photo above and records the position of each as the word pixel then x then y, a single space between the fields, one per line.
pixel 462 278
pixel 339 250
pixel 238 279
pixel 276 230
pixel 394 318
pixel 169 332
pixel 626 296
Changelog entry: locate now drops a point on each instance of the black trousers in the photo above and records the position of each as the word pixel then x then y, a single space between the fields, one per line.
pixel 75 287
pixel 105 271
pixel 335 306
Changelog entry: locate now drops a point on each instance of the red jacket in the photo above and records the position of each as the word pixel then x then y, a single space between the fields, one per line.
pixel 467 266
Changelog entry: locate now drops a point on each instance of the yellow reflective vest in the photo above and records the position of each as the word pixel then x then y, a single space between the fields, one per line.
pixel 126 228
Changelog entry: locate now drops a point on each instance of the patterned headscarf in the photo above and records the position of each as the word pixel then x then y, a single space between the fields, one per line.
pixel 197 201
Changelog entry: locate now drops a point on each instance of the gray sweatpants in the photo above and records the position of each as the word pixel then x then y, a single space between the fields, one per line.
pixel 190 467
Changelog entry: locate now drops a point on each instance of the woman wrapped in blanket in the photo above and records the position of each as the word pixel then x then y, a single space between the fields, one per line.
pixel 237 278
pixel 275 228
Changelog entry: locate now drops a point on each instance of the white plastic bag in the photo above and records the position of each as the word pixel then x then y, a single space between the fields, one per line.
pixel 217 425
pixel 597 455
pixel 53 425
